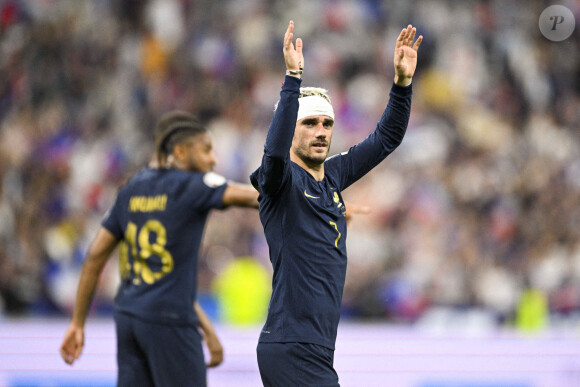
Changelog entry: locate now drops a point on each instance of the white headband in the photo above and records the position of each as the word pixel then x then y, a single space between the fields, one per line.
pixel 314 105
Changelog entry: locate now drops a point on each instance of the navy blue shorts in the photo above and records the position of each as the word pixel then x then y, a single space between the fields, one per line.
pixel 296 364
pixel 151 354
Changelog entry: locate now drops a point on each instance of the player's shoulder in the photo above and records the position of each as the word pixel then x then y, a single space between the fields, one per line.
pixel 177 177
pixel 333 163
pixel 151 179
pixel 335 158
pixel 213 180
pixel 130 182
pixel 202 179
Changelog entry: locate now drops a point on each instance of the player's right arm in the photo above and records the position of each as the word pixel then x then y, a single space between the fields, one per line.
pixel 99 252
pixel 240 195
pixel 270 177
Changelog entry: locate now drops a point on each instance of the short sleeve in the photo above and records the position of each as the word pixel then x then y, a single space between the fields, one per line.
pixel 111 220
pixel 207 191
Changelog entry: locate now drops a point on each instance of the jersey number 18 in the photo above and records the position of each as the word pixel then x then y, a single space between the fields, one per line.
pixel 138 242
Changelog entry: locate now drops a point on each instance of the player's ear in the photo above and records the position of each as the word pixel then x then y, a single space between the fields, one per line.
pixel 180 152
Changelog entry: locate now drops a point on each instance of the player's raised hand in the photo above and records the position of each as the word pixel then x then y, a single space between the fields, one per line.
pixel 293 56
pixel 72 344
pixel 405 58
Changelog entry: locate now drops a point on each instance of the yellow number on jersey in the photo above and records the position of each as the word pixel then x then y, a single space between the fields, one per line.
pixel 339 234
pixel 142 249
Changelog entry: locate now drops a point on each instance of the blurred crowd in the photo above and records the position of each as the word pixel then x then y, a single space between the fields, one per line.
pixel 480 204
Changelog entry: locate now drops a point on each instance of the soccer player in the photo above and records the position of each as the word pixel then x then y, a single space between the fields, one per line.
pixel 303 215
pixel 158 217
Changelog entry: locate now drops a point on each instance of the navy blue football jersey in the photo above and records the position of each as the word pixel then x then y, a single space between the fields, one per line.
pixel 159 217
pixel 304 220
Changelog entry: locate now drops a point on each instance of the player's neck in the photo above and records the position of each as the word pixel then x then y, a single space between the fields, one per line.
pixel 315 169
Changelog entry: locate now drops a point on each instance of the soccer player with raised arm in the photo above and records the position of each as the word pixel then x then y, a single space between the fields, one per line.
pixel 303 215
pixel 158 220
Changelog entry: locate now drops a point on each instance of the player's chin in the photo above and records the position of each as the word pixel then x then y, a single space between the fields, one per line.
pixel 318 158
pixel 202 168
pixel 323 153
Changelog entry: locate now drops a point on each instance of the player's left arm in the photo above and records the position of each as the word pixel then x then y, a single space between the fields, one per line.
pixel 240 195
pixel 99 252
pixel 391 128
pixel 405 56
pixel 216 350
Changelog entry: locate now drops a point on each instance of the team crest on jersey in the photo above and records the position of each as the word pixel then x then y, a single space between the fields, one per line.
pixel 338 202
pixel 213 180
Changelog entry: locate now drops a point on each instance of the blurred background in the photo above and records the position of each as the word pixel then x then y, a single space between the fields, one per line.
pixel 475 219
